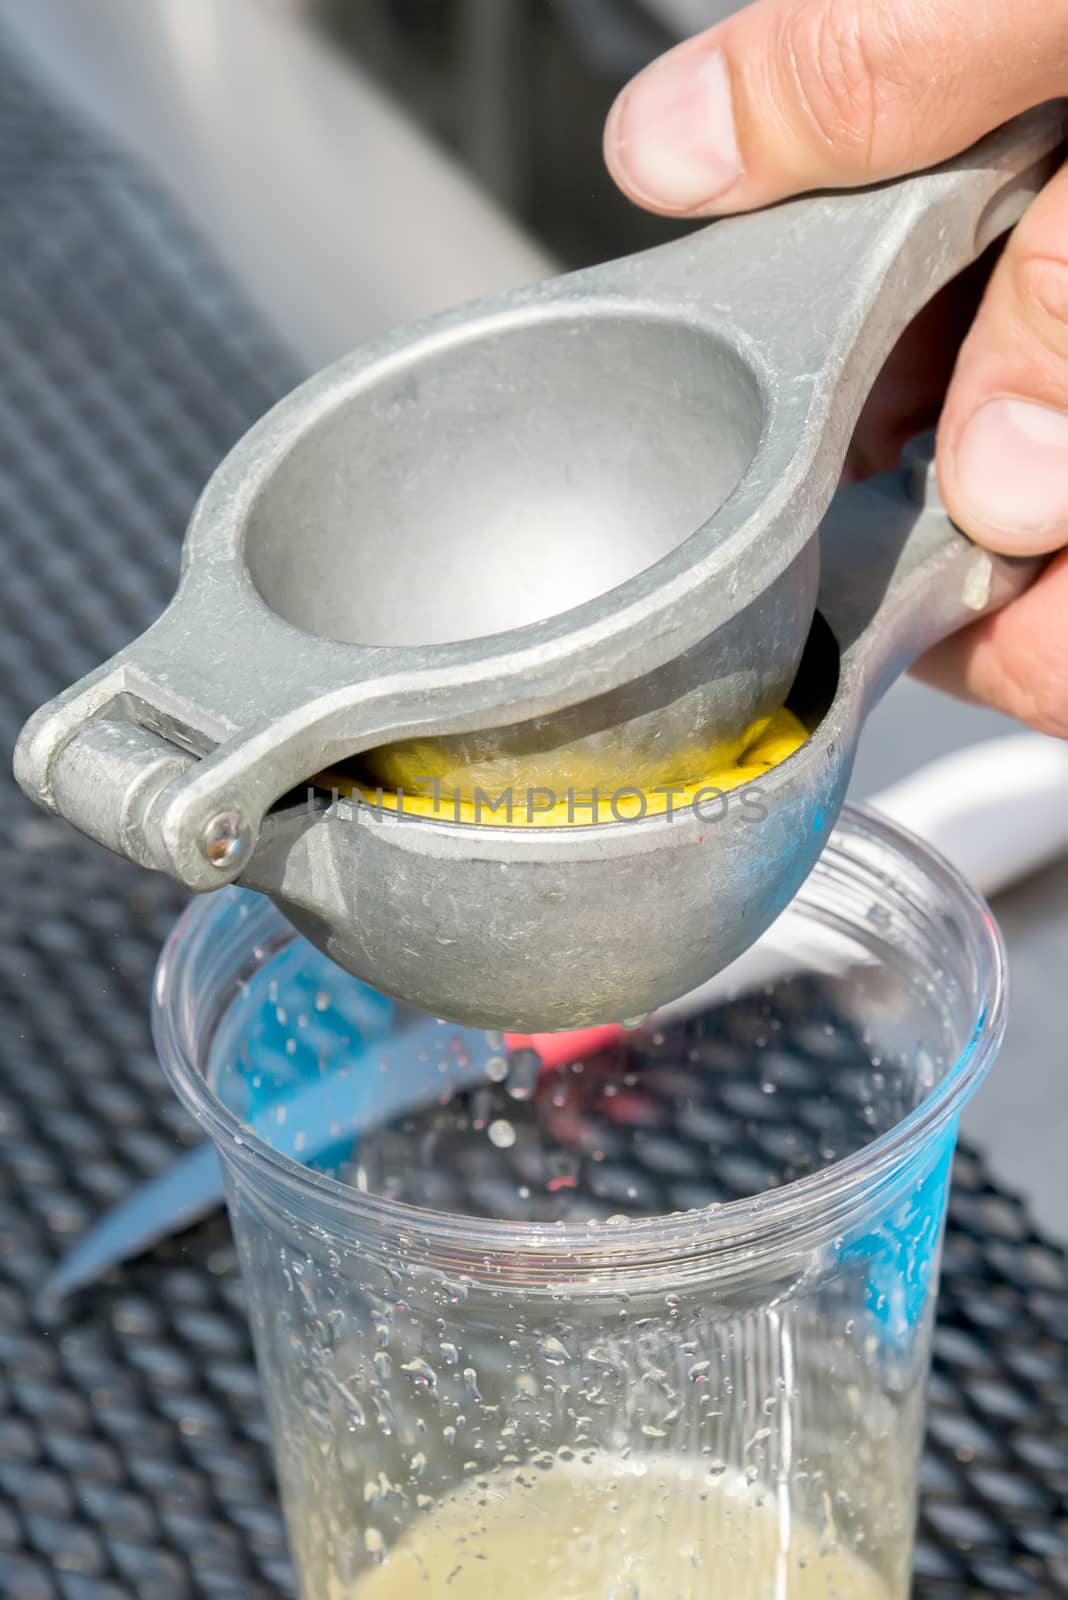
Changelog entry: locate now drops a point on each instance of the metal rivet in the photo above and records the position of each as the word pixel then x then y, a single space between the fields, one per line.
pixel 224 839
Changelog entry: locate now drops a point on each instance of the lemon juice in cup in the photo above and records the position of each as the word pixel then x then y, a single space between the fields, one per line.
pixel 615 1532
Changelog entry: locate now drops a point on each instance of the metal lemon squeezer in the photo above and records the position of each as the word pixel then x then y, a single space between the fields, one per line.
pixel 583 536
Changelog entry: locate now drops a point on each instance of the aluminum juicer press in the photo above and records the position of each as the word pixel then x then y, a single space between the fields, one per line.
pixel 577 535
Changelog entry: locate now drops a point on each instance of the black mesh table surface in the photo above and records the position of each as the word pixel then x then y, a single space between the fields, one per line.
pixel 133 1449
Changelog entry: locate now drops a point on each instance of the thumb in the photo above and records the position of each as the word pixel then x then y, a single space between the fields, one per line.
pixel 791 95
pixel 1003 436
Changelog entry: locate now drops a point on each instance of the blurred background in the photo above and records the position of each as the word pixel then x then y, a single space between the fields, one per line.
pixel 351 164
pixel 358 161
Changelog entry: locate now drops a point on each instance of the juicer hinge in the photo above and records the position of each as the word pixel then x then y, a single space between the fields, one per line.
pixel 107 778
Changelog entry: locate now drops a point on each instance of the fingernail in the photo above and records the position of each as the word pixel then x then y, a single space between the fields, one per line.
pixel 672 137
pixel 1012 467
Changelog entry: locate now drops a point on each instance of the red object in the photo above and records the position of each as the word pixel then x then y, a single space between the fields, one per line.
pixel 557 1049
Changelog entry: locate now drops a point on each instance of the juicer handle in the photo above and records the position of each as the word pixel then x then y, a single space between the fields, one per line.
pixel 813 293
pixel 806 300
pixel 897 575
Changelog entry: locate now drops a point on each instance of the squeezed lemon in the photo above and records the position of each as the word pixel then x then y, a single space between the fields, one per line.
pixel 769 745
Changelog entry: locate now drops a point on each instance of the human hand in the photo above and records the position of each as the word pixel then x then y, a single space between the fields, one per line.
pixel 791 95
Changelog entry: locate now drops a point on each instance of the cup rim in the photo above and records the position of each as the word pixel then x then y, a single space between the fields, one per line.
pixel 743 1228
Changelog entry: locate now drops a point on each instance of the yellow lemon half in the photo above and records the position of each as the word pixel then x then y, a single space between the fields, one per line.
pixel 535 808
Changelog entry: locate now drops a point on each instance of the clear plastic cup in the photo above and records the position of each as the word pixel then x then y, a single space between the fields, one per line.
pixel 656 1326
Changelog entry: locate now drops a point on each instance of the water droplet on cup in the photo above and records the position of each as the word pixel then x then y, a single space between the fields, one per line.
pixel 554 1351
